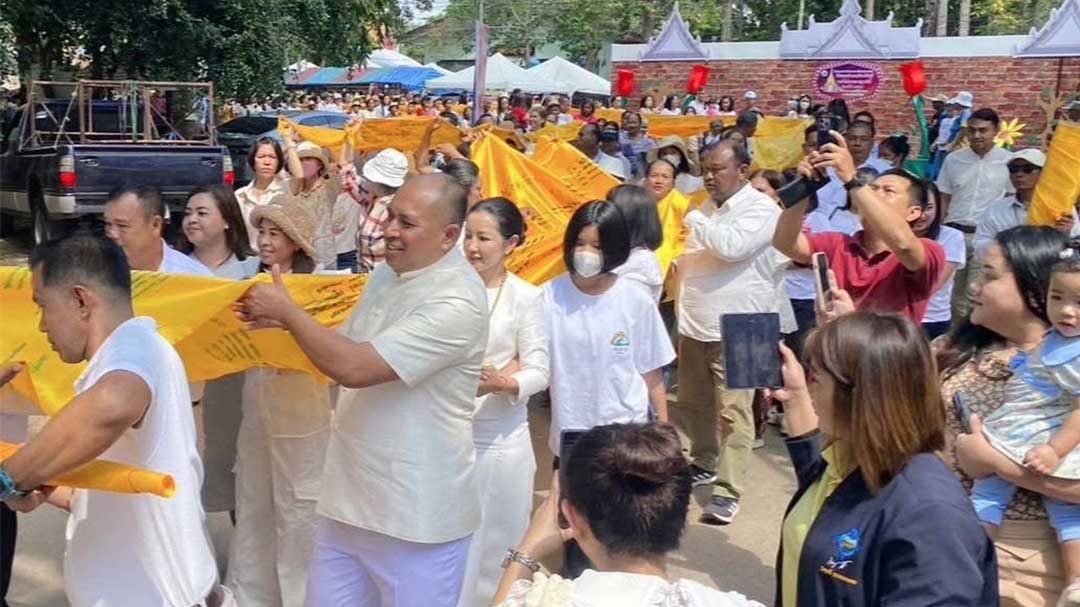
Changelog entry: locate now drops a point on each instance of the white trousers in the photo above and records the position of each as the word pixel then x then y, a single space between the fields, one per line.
pixel 505 467
pixel 353 567
pixel 281 447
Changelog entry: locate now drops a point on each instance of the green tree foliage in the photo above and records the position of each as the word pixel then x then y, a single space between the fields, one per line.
pixel 242 45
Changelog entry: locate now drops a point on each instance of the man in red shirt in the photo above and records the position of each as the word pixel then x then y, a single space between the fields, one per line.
pixel 885 267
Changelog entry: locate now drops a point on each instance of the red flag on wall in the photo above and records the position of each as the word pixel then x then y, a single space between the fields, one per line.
pixel 624 83
pixel 699 75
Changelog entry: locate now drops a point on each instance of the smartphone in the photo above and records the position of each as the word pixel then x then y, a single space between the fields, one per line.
pixel 962 412
pixel 751 351
pixel 822 286
pixel 826 122
pixel 567 440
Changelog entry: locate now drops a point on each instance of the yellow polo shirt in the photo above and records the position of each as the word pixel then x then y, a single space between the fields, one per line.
pixel 841 463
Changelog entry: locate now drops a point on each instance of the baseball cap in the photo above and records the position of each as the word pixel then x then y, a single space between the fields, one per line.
pixel 751 95
pixel 1032 155
pixel 609 132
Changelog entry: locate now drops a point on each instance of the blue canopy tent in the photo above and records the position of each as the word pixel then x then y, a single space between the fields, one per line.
pixel 408 78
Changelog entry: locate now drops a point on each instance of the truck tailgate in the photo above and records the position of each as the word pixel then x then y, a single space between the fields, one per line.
pixel 174 169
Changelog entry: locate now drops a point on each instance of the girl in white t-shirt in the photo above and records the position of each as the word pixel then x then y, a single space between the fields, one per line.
pixel 284 431
pixel 646 235
pixel 607 342
pixel 938 315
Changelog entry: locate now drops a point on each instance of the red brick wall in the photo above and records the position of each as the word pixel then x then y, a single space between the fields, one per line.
pixel 1010 86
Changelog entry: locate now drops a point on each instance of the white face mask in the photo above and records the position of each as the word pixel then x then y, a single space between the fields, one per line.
pixel 674 159
pixel 804 104
pixel 587 264
pixel 792 103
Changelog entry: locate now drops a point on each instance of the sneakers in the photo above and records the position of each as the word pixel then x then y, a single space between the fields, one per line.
pixel 1070 597
pixel 759 442
pixel 720 511
pixel 700 476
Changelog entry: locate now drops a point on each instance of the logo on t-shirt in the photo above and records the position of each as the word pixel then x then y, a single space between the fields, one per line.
pixel 620 342
pixel 848 545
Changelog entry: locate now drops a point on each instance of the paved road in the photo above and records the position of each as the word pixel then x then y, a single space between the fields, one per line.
pixel 738 557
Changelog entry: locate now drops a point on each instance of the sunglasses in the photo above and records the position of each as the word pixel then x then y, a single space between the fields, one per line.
pixel 1022 168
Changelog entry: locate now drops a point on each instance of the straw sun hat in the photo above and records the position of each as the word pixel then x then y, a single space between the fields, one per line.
pixel 293 217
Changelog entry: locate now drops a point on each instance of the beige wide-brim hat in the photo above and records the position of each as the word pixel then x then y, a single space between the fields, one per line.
pixel 307 149
pixel 293 217
pixel 671 141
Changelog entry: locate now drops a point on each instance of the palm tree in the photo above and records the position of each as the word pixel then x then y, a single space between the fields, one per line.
pixel 729 7
pixel 942 17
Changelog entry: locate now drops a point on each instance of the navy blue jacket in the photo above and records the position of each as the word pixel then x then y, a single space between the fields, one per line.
pixel 917 543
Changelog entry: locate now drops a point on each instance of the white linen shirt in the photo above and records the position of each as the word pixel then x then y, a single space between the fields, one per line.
pixel 400 459
pixel 175 262
pixel 974 183
pixel 729 265
pixel 516 330
pixel 1003 214
pixel 248 201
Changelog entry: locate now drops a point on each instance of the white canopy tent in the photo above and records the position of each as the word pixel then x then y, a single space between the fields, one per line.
pixel 502 75
pixel 557 75
pixel 438 68
pixel 384 57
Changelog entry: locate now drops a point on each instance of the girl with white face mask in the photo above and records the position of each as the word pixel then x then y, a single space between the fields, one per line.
pixel 608 344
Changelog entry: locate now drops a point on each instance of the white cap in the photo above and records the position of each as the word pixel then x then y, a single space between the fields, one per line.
pixel 963 98
pixel 388 167
pixel 751 95
pixel 1033 155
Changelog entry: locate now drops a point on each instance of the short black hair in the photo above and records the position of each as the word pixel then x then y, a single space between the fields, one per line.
pixel 738 149
pixel 84 257
pixel 506 214
pixel 150 199
pixel 270 141
pixel 610 223
pixel 855 117
pixel 917 189
pixel 898 144
pixel 747 118
pixel 632 485
pixel 986 114
pixel 639 211
pixel 464 171
pixel 862 124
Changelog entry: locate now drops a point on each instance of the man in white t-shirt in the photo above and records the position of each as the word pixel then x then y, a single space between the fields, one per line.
pixel 132 407
pixel 729 267
pixel 399 503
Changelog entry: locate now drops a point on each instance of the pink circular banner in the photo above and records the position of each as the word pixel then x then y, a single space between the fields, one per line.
pixel 849 80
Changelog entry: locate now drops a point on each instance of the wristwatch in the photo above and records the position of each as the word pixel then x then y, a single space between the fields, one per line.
pixel 513 556
pixel 8 490
pixel 854 184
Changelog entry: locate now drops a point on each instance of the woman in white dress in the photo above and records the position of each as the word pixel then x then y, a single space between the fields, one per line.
pixel 515 368
pixel 626 497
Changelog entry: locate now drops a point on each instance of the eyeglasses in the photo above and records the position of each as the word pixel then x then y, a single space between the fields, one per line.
pixel 1022 168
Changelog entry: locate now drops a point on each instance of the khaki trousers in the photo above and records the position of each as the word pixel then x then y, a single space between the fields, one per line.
pixel 719 422
pixel 1030 571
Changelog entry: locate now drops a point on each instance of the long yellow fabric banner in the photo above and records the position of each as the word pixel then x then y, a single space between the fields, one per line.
pixel 1058 190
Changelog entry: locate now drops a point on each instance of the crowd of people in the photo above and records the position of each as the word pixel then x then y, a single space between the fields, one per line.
pixel 928 385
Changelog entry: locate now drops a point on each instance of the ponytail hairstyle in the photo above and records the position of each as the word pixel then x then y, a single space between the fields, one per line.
pixel 898 144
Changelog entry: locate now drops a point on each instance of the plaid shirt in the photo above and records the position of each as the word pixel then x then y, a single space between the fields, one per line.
pixel 369 238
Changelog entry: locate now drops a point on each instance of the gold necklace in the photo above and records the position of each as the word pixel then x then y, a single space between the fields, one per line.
pixel 498 295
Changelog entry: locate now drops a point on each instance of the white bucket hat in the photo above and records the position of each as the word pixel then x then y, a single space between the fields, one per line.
pixel 963 98
pixel 389 167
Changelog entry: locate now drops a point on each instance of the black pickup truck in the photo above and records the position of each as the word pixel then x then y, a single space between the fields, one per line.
pixel 52 172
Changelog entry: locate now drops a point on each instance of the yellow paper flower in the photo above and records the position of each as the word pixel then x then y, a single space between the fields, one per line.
pixel 1010 133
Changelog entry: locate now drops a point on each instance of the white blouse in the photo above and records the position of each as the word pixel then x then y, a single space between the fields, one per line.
pixel 594 588
pixel 248 201
pixel 516 330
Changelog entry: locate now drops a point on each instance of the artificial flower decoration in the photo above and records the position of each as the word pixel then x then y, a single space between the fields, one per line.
pixel 1009 134
pixel 624 83
pixel 914 75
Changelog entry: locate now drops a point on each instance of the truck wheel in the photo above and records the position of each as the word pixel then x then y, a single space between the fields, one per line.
pixel 44 228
